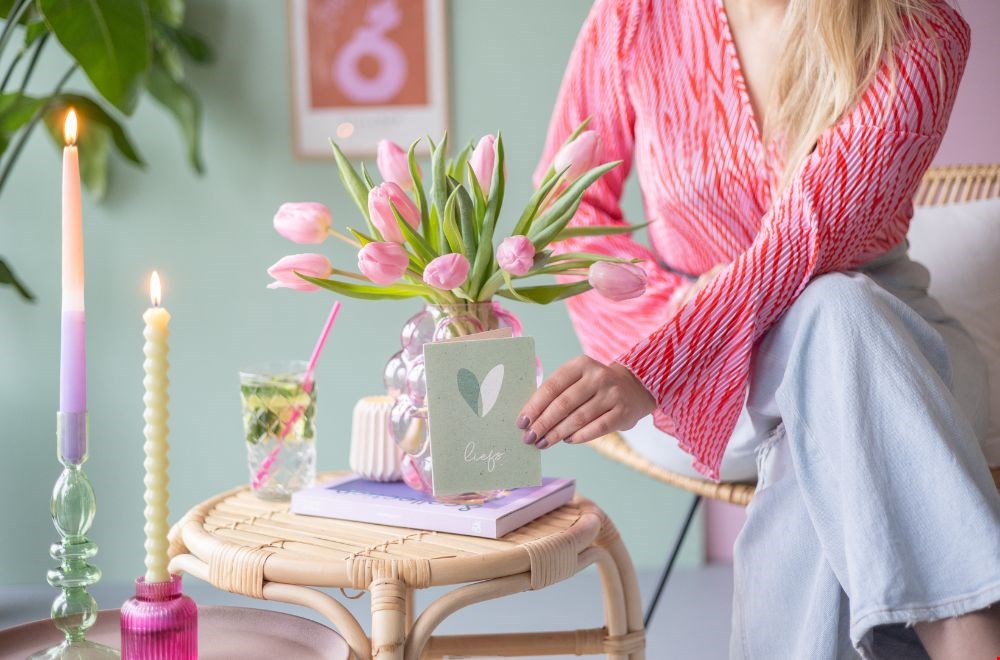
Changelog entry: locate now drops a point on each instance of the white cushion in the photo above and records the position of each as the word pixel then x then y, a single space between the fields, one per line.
pixel 960 246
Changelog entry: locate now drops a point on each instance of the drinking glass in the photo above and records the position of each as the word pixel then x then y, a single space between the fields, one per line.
pixel 279 425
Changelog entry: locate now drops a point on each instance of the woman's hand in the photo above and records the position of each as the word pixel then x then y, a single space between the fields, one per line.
pixel 583 400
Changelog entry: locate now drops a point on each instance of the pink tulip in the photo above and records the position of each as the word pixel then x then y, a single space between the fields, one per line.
pixel 618 281
pixel 393 164
pixel 379 199
pixel 303 222
pixel 447 271
pixel 283 272
pixel 383 262
pixel 482 161
pixel 580 155
pixel 516 255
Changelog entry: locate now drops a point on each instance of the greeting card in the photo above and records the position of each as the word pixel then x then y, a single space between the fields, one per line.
pixel 476 386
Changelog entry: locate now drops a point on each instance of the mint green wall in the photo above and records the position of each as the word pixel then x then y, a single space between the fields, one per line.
pixel 211 240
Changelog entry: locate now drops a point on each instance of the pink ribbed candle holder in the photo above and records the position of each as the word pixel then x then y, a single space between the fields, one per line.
pixel 159 622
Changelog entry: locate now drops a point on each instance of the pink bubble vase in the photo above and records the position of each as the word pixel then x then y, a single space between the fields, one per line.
pixel 159 622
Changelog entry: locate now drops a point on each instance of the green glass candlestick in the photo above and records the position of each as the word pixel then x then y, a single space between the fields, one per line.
pixel 74 610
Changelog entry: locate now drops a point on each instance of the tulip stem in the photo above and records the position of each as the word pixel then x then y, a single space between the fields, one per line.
pixel 347 273
pixel 346 239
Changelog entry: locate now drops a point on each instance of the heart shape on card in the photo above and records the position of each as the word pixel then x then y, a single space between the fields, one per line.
pixel 481 397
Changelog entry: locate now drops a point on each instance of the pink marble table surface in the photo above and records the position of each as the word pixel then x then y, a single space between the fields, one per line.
pixel 223 632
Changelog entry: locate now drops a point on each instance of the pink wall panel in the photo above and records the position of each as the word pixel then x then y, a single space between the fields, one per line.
pixel 974 132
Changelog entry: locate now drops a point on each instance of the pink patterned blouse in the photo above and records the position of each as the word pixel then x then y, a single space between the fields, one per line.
pixel 662 83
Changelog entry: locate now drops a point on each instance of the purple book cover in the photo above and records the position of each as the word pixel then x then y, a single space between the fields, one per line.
pixel 394 503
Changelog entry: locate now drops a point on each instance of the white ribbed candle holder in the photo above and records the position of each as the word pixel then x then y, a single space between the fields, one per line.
pixel 374 454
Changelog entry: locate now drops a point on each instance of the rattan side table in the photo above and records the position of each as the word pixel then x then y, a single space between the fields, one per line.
pixel 245 545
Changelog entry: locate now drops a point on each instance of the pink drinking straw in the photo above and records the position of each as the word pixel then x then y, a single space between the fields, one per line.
pixel 307 384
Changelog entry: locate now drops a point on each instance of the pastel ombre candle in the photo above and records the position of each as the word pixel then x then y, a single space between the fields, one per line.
pixel 156 399
pixel 73 351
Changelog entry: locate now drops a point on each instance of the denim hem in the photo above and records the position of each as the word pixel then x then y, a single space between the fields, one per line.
pixel 861 626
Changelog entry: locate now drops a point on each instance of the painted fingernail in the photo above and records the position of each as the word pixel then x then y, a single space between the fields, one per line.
pixel 523 421
pixel 530 437
pixel 542 444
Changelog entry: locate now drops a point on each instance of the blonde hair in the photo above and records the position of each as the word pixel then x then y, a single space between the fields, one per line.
pixel 833 50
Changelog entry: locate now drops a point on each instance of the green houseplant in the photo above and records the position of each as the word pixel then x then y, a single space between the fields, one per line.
pixel 125 48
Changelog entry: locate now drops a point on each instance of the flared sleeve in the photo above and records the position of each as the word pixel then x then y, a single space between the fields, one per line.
pixel 850 200
pixel 594 86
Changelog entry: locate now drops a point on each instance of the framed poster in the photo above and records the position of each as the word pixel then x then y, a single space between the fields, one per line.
pixel 363 70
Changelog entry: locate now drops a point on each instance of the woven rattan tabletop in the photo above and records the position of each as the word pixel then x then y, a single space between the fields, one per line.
pixel 324 552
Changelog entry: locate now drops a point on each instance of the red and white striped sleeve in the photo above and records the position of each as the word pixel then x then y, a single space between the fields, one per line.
pixel 850 199
pixel 594 87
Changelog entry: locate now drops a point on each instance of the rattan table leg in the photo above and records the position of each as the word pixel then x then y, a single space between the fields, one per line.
pixel 454 600
pixel 618 637
pixel 615 617
pixel 388 618
pixel 410 609
pixel 612 542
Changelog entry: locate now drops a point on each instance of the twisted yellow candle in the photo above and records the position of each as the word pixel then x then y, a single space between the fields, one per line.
pixel 156 399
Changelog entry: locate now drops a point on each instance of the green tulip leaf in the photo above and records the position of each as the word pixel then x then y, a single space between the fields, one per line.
pixel 545 236
pixel 579 129
pixel 510 288
pixel 451 230
pixel 467 222
pixel 570 197
pixel 439 190
pixel 111 40
pixel 8 278
pixel 368 291
pixel 354 185
pixel 597 230
pixel 484 251
pixel 588 256
pixel 561 267
pixel 456 168
pixel 367 177
pixel 572 136
pixel 423 249
pixel 418 185
pixel 478 198
pixel 534 204
pixel 364 239
pixel 547 293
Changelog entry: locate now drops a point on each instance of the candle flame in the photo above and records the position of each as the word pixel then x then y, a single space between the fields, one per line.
pixel 154 289
pixel 69 128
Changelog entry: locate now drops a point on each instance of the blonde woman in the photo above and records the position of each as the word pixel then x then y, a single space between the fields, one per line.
pixel 780 142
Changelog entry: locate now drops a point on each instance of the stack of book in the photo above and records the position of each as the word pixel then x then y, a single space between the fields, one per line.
pixel 394 503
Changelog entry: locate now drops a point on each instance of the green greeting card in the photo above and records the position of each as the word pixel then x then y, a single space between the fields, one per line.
pixel 476 386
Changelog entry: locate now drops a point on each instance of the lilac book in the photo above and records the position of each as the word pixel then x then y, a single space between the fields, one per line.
pixel 394 503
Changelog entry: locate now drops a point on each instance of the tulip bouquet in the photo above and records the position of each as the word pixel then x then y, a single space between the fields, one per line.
pixel 438 244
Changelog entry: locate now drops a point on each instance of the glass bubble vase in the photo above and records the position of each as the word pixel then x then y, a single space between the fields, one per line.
pixel 405 382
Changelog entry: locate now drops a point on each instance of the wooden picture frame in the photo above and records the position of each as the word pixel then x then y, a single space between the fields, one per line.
pixel 364 70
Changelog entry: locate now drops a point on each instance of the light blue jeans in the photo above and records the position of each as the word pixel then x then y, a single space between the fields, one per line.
pixel 875 508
